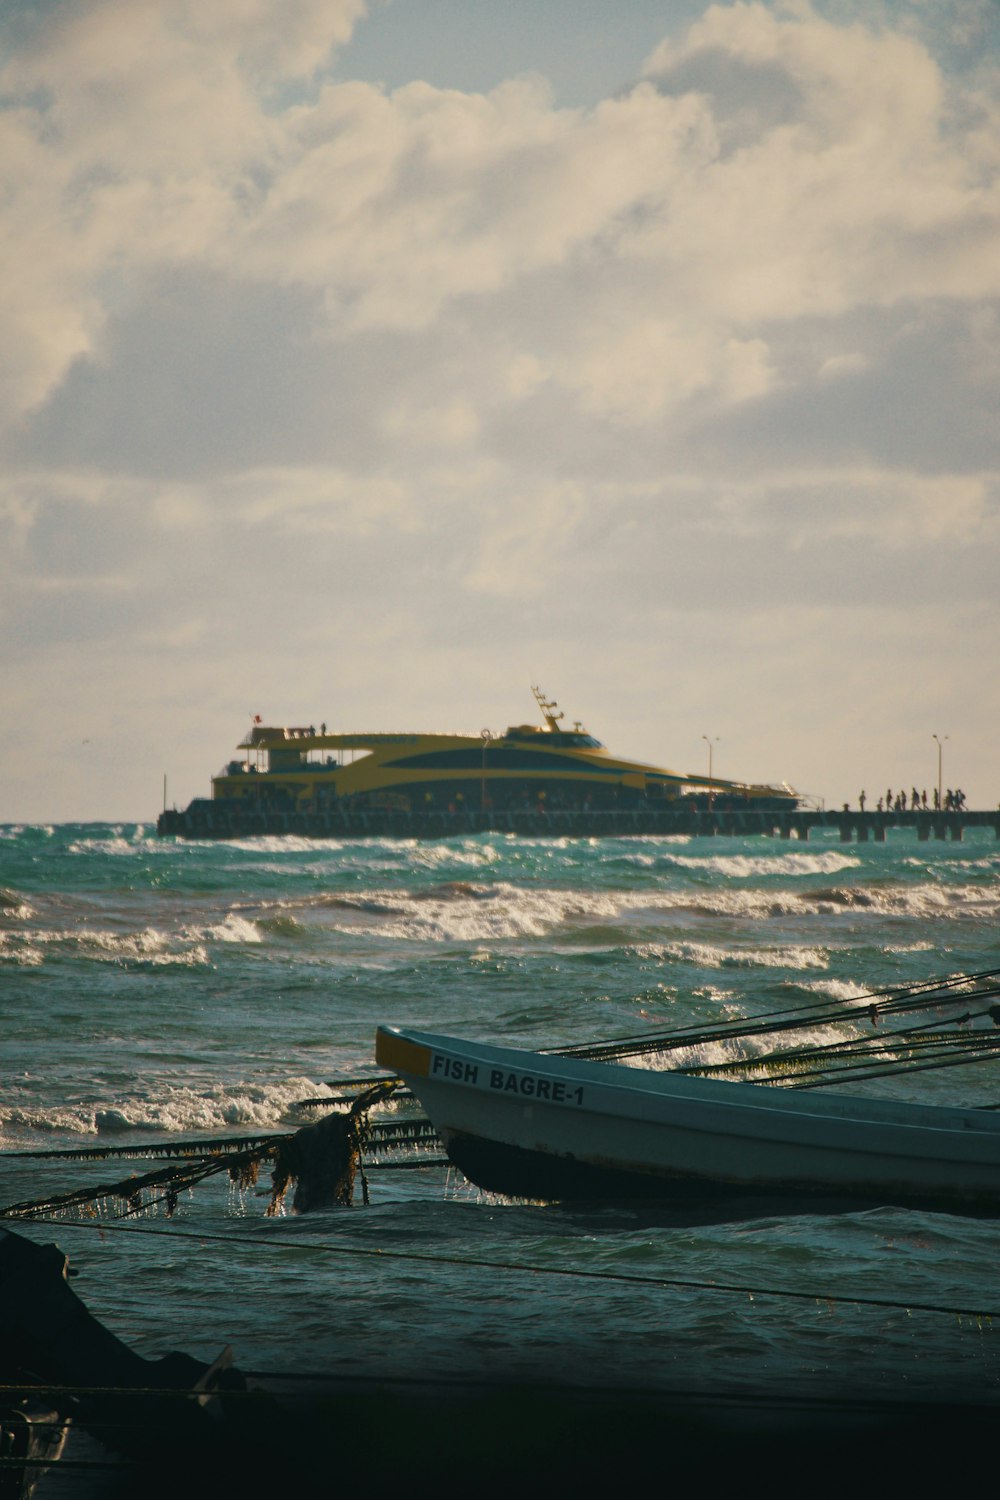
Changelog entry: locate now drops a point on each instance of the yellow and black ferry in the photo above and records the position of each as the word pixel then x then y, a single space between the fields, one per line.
pixel 538 779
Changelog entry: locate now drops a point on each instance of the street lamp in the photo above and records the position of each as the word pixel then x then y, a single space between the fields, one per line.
pixel 939 745
pixel 485 735
pixel 709 743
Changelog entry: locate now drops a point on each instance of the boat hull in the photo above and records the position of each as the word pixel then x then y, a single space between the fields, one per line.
pixel 529 1125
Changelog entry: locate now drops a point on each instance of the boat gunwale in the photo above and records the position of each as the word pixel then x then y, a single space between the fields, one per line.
pixel 750 1099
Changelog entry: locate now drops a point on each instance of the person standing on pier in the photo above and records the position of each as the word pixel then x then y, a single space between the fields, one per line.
pixel 861 801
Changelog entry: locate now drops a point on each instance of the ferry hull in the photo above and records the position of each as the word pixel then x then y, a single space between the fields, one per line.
pixel 205 819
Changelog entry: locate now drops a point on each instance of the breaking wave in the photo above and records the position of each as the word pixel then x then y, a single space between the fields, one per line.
pixel 240 1106
pixel 188 947
pixel 749 866
pixel 707 956
pixel 459 912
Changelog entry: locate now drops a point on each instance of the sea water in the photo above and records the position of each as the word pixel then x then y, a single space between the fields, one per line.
pixel 154 990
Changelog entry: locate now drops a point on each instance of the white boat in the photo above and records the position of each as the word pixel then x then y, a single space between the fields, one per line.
pixel 531 1125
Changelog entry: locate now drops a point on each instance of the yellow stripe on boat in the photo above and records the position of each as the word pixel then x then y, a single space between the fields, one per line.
pixel 401 1055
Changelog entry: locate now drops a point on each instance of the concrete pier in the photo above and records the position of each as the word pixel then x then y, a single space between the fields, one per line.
pixel 205 819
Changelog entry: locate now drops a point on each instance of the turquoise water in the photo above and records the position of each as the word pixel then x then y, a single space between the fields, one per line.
pixel 151 989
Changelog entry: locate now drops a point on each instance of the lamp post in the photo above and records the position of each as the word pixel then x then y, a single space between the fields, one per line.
pixel 940 743
pixel 710 743
pixel 485 735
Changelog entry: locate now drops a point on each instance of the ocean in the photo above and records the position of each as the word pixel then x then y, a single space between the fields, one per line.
pixel 154 989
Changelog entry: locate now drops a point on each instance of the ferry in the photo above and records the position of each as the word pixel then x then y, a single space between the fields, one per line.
pixel 532 778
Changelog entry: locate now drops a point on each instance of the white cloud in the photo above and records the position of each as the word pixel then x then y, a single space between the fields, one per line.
pixel 838 365
pixel 164 150
pixel 525 540
pixel 307 501
pixel 455 424
pixel 131 135
pixel 467 381
pixel 865 192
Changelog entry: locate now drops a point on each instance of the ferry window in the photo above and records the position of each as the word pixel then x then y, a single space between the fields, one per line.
pixel 568 737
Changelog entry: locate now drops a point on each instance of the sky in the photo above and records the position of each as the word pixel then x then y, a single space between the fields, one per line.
pixel 369 361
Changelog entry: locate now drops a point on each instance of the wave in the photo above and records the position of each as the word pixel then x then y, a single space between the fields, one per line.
pixel 457 914
pixel 964 862
pixel 281 925
pixel 394 902
pixel 836 989
pixel 232 929
pixel 713 956
pixel 116 842
pixel 431 856
pixel 371 854
pixel 853 896
pixel 13 907
pixel 954 902
pixel 896 900
pixel 97 941
pixel 14 950
pixel 147 948
pixel 178 1111
pixel 483 912
pixel 745 866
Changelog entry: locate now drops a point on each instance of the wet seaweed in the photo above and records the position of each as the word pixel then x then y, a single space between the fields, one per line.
pixel 322 1162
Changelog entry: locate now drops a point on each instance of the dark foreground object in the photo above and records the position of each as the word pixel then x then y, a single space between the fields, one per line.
pixel 542 1441
pixel 176 1429
pixel 61 1370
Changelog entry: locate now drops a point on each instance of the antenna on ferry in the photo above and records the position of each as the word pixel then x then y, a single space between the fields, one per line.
pixel 548 709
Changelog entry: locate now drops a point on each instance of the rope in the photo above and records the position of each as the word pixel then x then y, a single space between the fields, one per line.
pixel 663 1283
pixel 304 1156
pixel 391 1133
pixel 712 1396
pixel 321 1160
pixel 930 993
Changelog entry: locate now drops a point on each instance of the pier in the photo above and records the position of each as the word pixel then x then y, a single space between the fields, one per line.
pixel 206 819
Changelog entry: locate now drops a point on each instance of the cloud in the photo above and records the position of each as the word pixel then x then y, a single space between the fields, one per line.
pixel 130 134
pixel 862 188
pixel 686 210
pixel 461 380
pixel 525 541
